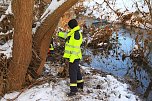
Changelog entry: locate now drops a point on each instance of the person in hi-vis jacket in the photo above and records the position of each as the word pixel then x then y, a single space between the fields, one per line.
pixel 72 52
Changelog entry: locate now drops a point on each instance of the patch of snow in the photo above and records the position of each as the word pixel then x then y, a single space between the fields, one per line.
pixel 123 6
pixel 9 9
pixel 4 1
pixel 37 25
pixel 136 47
pixel 10 31
pixel 52 7
pixel 100 44
pixel 7 48
pixel 2 17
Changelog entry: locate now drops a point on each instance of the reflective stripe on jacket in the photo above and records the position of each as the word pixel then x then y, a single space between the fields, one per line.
pixel 51 47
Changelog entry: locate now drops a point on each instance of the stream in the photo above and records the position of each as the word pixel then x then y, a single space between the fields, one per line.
pixel 138 71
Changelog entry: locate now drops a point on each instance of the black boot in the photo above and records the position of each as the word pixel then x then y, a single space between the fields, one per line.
pixel 80 86
pixel 71 94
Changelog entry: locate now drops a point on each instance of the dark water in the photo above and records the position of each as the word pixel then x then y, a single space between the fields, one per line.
pixel 111 61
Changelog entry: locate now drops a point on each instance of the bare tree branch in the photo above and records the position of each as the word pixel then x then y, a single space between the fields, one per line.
pixel 148 2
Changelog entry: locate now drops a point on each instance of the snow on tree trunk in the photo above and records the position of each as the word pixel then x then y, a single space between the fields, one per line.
pixel 43 35
pixel 22 43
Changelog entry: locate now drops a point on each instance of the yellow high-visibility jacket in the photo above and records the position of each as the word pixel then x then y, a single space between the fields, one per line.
pixel 72 46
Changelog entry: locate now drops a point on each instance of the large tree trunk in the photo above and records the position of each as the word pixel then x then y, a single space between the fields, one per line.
pixel 43 35
pixel 22 43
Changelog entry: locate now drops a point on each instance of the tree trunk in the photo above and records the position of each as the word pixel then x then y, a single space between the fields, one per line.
pixel 43 35
pixel 22 43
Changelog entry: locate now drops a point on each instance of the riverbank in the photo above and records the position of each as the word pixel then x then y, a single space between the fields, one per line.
pixel 98 87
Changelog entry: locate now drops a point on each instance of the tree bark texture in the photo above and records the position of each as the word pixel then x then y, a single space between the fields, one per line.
pixel 43 35
pixel 22 43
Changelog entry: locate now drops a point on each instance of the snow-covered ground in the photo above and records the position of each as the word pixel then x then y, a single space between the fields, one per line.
pixel 97 87
pixel 7 48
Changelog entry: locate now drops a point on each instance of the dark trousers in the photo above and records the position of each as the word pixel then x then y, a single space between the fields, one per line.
pixel 75 75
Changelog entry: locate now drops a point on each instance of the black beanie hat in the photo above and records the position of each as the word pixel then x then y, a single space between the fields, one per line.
pixel 73 23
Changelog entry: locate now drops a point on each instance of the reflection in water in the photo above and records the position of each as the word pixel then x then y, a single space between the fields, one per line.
pixel 119 60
